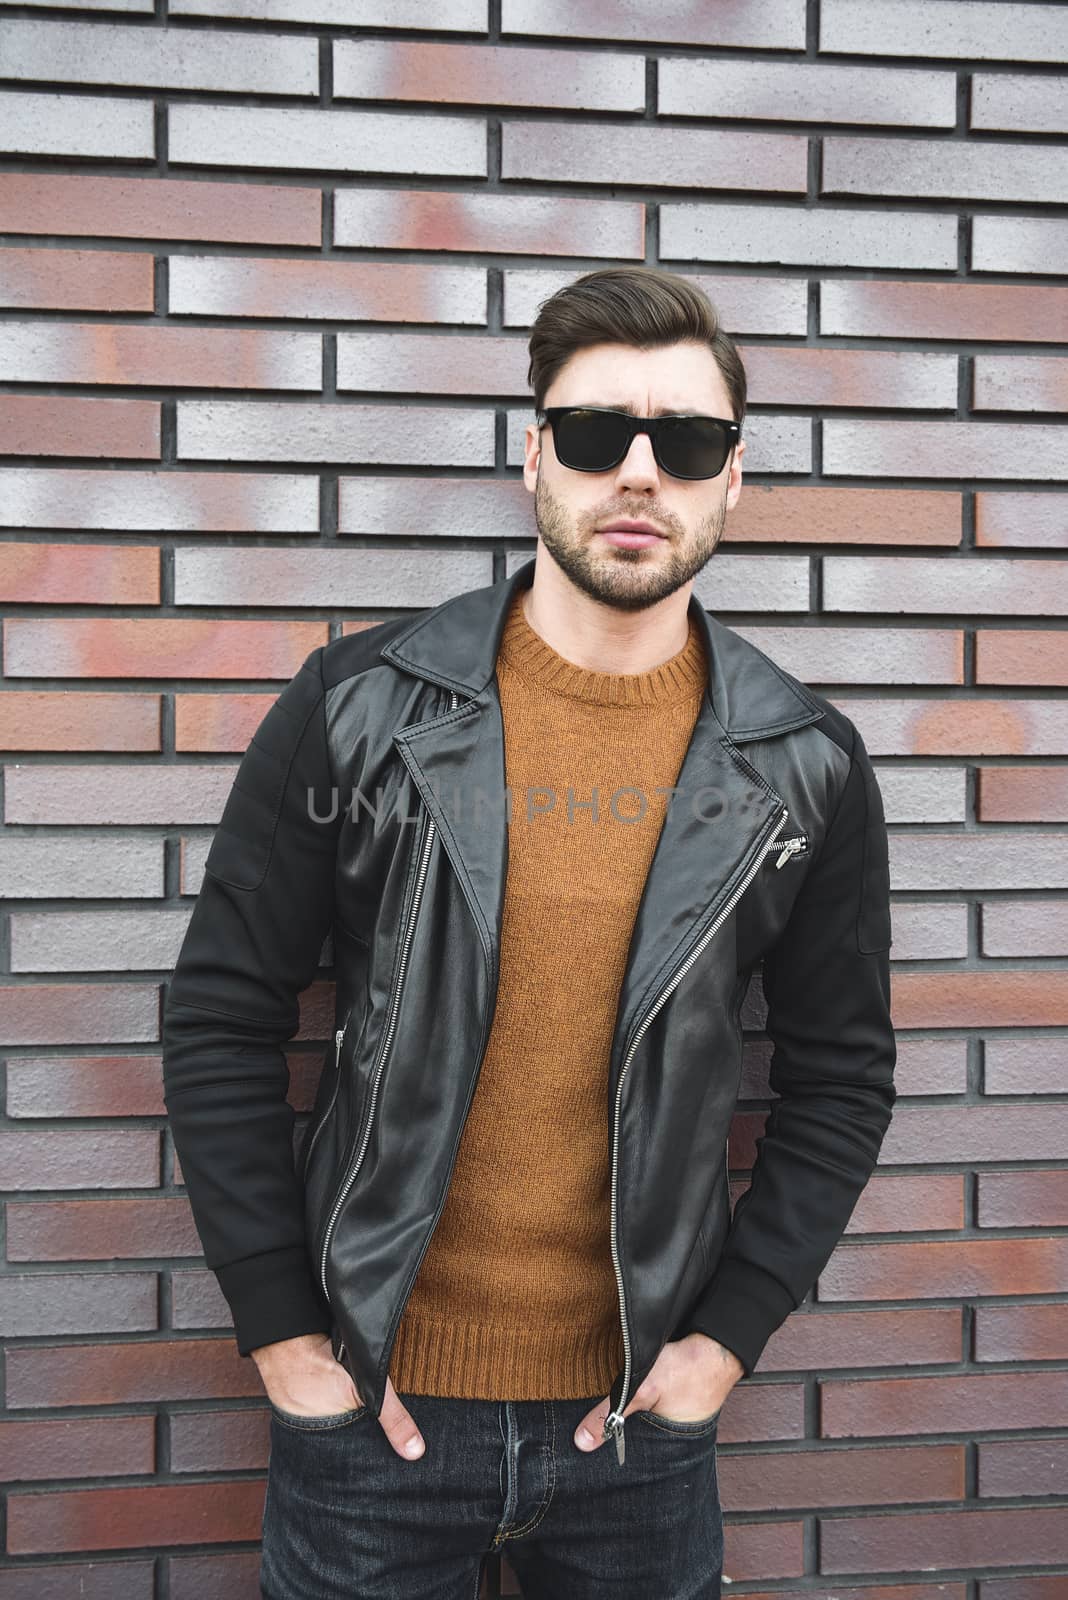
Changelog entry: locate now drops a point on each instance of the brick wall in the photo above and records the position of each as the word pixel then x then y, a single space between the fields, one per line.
pixel 266 281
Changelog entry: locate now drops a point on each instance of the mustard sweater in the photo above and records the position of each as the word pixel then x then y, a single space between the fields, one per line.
pixel 516 1297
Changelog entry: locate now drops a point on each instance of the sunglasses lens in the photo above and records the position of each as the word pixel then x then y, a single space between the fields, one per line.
pixel 694 447
pixel 590 441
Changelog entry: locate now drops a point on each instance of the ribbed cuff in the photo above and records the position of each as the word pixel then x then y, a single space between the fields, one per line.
pixel 273 1296
pixel 741 1308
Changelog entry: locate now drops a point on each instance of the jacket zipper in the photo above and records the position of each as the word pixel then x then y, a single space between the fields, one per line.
pixel 615 1421
pixel 350 1176
pixel 338 1037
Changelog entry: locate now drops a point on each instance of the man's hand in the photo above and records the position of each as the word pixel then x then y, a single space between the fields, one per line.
pixel 690 1379
pixel 302 1376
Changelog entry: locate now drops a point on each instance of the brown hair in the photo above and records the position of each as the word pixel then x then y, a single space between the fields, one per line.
pixel 640 306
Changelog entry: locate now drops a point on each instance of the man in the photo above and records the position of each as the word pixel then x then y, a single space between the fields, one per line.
pixel 554 825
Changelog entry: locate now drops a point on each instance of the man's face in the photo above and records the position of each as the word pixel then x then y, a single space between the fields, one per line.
pixel 573 509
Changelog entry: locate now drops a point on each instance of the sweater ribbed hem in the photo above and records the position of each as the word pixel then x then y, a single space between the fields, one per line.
pixel 474 1361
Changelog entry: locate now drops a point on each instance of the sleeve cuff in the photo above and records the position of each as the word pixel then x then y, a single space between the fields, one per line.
pixel 273 1297
pixel 741 1308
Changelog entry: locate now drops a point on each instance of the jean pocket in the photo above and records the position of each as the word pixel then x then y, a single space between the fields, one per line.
pixel 314 1424
pixel 697 1427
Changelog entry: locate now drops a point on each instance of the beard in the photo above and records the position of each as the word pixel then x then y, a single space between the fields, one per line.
pixel 628 580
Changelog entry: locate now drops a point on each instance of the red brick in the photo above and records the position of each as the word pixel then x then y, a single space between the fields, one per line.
pixel 826 1338
pixel 964 1538
pixel 891 1475
pixel 1023 1199
pixel 77 1447
pixel 217 1577
pixel 1021 655
pixel 1021 1333
pixel 160 355
pixel 217 721
pixel 76 280
pixel 909 1203
pixel 85 1086
pixel 82 1159
pixel 1021 519
pixel 157 1515
pixel 78 574
pixel 963 311
pixel 160 208
pixel 1004 999
pixel 799 514
pixel 953 1403
pixel 1023 794
pixel 158 647
pixel 44 719
pixel 829 378
pixel 117 1374
pixel 70 425
pixel 760 1550
pixel 100 1230
pixel 940 1268
pixel 1023 1467
pixel 78 1013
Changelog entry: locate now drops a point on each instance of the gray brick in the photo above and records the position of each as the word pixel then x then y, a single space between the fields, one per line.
pixel 1025 928
pixel 499 75
pixel 937 168
pixel 985 584
pixel 1018 244
pixel 738 583
pixel 397 219
pixel 158 502
pixel 35 1303
pixel 794 92
pixel 797 235
pixel 345 291
pixel 96 941
pixel 76 125
pixel 962 861
pixel 765 24
pixel 114 793
pixel 929 932
pixel 326 140
pixel 461 16
pixel 338 578
pixel 945 449
pixel 922 794
pixel 982 30
pixel 160 58
pixel 32 866
pixel 379 435
pixel 745 304
pixel 490 508
pixel 1019 104
pixel 705 158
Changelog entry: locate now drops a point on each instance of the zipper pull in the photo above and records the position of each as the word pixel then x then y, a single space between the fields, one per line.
pixel 614 1424
pixel 338 1036
pixel 790 848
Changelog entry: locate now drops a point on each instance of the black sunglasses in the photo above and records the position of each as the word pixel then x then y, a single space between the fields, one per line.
pixel 595 439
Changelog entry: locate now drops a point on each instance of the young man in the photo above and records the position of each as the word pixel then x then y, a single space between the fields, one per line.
pixel 554 825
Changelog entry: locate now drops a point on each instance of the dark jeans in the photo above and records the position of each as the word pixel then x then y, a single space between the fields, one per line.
pixel 346 1518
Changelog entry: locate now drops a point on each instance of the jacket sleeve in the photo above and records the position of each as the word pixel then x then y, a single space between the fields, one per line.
pixel 827 985
pixel 252 945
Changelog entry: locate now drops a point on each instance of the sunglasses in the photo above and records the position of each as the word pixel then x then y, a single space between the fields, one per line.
pixel 594 439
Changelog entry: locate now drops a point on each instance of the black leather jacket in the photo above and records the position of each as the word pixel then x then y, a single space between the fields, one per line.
pixel 356 811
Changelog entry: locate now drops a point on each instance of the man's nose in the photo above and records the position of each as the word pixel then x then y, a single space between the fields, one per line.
pixel 638 469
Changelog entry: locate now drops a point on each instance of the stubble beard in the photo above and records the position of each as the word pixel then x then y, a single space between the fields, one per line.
pixel 629 580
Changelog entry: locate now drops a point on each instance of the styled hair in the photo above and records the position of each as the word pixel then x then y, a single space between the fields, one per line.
pixel 640 306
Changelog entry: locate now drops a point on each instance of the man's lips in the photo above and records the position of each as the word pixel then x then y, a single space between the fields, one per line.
pixel 631 535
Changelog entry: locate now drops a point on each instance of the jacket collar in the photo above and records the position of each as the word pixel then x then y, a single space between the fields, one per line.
pixel 456 643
